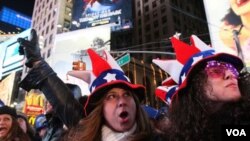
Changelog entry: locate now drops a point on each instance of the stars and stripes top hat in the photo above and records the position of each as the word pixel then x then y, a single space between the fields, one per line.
pixel 106 73
pixel 189 59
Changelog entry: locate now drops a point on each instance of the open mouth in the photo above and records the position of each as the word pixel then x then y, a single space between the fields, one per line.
pixel 3 129
pixel 241 2
pixel 124 115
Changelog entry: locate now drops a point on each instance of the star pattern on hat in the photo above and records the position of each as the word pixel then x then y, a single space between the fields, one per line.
pixel 187 55
pixel 106 72
pixel 168 100
pixel 183 77
pixel 127 78
pixel 110 77
pixel 93 88
pixel 197 59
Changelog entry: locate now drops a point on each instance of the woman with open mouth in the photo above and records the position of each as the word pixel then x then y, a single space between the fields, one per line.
pixel 9 127
pixel 112 111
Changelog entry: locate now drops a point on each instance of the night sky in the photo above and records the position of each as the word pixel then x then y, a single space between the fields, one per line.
pixel 23 6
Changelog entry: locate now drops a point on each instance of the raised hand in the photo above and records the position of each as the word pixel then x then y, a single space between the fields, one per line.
pixel 30 48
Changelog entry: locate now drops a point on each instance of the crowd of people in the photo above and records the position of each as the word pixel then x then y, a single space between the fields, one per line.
pixel 202 94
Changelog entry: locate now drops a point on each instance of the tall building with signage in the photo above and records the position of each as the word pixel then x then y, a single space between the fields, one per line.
pixel 157 20
pixel 49 18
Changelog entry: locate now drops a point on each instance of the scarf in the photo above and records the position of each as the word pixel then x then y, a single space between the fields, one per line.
pixel 110 135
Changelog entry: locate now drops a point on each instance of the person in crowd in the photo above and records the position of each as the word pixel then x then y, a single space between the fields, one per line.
pixel 204 92
pixel 9 127
pixel 162 121
pixel 158 118
pixel 24 124
pixel 42 77
pixel 54 126
pixel 113 110
pixel 41 125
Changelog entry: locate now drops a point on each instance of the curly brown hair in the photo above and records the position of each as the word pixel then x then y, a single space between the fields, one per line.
pixel 190 112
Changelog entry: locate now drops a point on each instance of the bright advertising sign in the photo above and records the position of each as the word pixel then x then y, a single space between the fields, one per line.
pixel 225 16
pixel 89 13
pixel 71 47
pixel 10 59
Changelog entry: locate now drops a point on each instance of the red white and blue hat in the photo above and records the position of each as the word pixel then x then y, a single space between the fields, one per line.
pixel 106 73
pixel 189 59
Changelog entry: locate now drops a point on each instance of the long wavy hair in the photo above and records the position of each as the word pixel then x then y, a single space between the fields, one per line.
pixel 16 133
pixel 194 117
pixel 190 112
pixel 89 128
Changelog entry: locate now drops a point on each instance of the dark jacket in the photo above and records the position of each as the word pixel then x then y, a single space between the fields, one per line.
pixel 55 128
pixel 42 77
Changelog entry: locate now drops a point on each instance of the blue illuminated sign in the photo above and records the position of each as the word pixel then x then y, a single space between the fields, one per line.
pixel 12 17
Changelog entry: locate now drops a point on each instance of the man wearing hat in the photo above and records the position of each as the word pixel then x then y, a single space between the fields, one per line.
pixel 202 92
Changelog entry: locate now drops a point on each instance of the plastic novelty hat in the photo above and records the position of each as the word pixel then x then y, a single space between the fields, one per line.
pixel 189 59
pixel 106 73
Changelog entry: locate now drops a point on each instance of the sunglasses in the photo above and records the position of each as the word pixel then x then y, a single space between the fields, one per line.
pixel 216 69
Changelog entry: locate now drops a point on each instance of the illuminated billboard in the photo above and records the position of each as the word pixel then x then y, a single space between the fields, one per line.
pixel 15 18
pixel 72 46
pixel 10 60
pixel 224 17
pixel 89 13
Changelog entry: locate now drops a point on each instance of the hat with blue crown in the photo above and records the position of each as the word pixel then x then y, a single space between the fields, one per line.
pixel 189 59
pixel 106 73
pixel 40 122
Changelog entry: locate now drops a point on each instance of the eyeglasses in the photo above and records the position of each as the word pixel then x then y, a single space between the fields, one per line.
pixel 216 69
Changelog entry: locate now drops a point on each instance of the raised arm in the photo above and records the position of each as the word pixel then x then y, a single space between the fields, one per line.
pixel 41 76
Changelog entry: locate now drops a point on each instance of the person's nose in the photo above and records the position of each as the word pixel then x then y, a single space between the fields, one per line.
pixel 229 74
pixel 121 101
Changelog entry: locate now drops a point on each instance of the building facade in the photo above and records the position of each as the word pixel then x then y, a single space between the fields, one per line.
pixel 154 22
